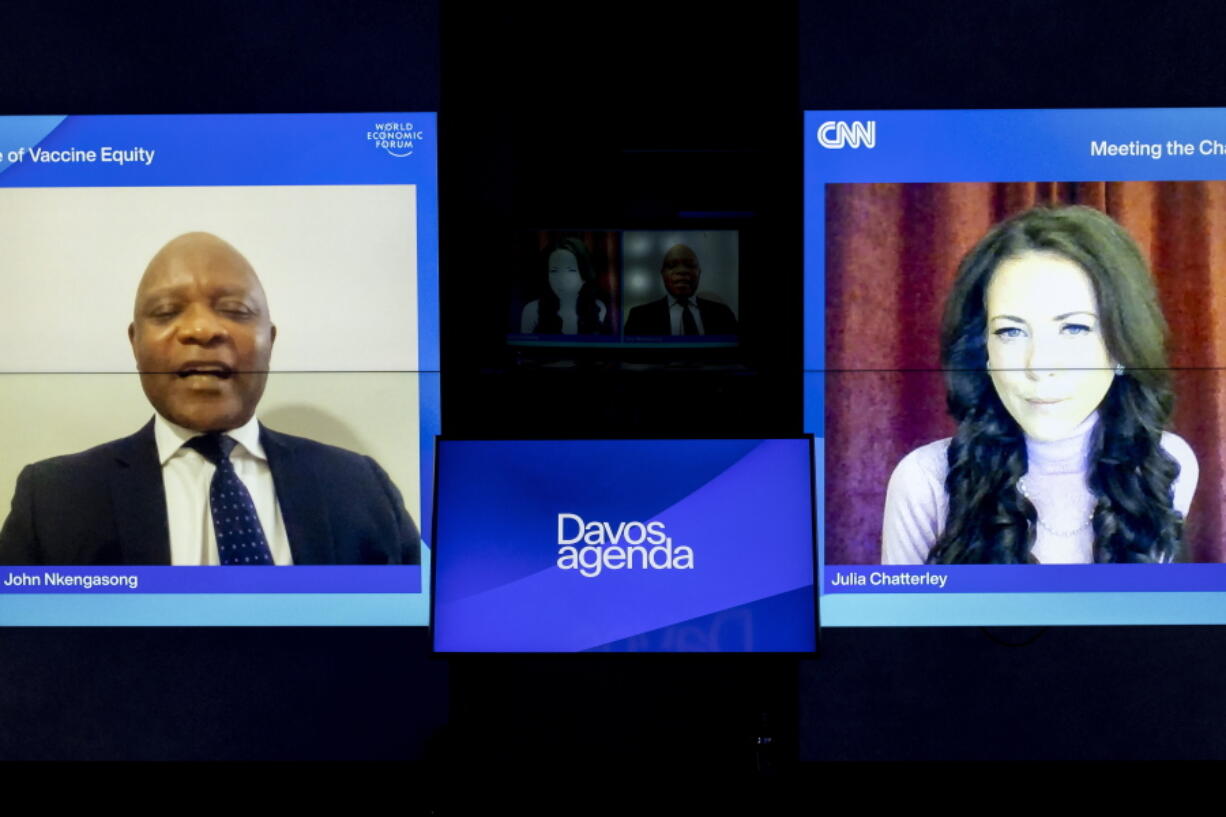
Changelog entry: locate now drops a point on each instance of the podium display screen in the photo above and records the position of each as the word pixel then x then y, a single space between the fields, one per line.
pixel 624 546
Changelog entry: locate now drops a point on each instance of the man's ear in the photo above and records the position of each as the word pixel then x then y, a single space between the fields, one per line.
pixel 132 333
pixel 272 334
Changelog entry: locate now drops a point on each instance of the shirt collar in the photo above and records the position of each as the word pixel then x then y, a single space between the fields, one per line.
pixel 170 438
pixel 673 301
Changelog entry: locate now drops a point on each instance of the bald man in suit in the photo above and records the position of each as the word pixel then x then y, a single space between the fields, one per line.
pixel 681 311
pixel 204 482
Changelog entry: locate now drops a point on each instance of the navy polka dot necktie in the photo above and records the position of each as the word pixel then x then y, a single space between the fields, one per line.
pixel 240 538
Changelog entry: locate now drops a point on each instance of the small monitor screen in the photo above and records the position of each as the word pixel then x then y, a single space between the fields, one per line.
pixel 626 288
pixel 219 368
pixel 624 546
pixel 1013 350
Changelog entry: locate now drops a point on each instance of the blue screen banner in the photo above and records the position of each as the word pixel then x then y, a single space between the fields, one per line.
pixel 167 579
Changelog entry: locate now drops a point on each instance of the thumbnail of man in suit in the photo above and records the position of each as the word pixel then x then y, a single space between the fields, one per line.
pixel 203 482
pixel 681 311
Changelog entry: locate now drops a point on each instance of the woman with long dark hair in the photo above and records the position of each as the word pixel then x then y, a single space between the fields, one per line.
pixel 569 302
pixel 1053 345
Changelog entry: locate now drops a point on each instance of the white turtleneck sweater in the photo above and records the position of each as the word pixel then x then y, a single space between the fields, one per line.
pixel 916 504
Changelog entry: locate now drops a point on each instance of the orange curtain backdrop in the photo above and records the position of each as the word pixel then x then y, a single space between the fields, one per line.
pixel 892 251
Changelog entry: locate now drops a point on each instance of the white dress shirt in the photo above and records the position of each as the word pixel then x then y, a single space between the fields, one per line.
pixel 186 476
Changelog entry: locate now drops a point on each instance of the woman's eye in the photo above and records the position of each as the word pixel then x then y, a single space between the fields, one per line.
pixel 1007 333
pixel 1075 329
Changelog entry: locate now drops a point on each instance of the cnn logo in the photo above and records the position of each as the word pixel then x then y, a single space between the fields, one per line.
pixel 847 134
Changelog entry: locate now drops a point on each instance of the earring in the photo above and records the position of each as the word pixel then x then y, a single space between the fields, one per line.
pixel 1119 369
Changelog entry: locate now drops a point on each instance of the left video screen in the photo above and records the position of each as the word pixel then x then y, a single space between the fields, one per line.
pixel 220 359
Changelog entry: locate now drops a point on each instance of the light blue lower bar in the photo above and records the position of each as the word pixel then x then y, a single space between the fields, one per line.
pixel 217 610
pixel 1020 609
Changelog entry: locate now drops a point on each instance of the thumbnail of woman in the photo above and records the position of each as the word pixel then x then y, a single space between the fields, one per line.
pixel 568 304
pixel 1053 346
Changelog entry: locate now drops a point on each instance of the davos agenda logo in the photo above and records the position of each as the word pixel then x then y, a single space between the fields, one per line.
pixel 591 547
pixel 396 138
pixel 838 134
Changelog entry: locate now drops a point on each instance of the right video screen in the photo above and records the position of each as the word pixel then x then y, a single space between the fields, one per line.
pixel 1014 340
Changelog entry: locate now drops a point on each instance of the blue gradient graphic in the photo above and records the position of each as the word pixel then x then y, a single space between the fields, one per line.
pixel 744 507
pixel 775 624
pixel 537 480
pixel 1021 609
pixel 23 131
pixel 216 610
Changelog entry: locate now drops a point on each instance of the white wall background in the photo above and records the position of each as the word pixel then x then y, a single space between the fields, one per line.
pixel 45 415
pixel 718 255
pixel 339 265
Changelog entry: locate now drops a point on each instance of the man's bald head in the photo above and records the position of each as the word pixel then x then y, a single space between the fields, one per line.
pixel 198 250
pixel 201 333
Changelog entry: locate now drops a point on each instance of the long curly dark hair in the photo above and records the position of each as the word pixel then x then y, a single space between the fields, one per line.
pixel 549 322
pixel 1129 473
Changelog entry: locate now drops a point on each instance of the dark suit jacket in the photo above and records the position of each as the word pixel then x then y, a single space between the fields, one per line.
pixel 653 318
pixel 107 506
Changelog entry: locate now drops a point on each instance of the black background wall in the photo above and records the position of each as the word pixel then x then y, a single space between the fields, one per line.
pixel 622 115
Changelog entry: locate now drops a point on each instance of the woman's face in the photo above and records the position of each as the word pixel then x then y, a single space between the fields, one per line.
pixel 1046 353
pixel 564 277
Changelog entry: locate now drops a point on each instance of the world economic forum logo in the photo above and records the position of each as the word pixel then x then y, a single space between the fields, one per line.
pixel 838 134
pixel 398 139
